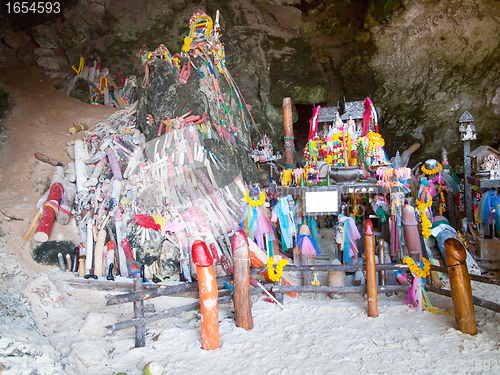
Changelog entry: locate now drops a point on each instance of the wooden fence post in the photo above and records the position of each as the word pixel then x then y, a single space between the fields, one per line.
pixel 140 330
pixel 371 273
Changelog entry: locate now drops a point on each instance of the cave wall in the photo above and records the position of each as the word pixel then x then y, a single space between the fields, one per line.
pixel 423 63
pixel 435 60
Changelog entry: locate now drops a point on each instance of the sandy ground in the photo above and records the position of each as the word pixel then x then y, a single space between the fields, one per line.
pixel 49 327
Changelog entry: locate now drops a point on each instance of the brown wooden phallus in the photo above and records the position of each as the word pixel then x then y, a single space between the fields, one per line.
pixel 241 274
pixel 81 266
pixel 207 285
pixel 336 278
pixel 461 291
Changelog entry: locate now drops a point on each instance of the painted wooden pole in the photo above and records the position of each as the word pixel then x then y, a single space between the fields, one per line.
pixel 461 291
pixel 336 278
pixel 288 125
pixel 100 243
pixel 81 266
pixel 240 185
pixel 241 272
pixel 207 284
pixel 76 256
pixel 81 174
pixel 381 257
pixel 306 259
pixel 371 273
pixel 120 236
pixel 67 201
pixel 140 330
pixel 50 207
pixel 469 206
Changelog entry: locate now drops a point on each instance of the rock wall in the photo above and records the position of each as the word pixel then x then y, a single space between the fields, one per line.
pixel 423 63
pixel 435 60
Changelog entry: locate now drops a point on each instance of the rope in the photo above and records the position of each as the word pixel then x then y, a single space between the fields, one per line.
pixel 52 204
pixel 55 206
pixel 294 153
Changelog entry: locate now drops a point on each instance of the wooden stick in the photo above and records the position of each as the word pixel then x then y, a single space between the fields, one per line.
pixel 28 233
pixel 161 315
pixel 270 295
pixel 478 278
pixel 346 268
pixel 477 301
pixel 140 330
pixel 337 289
pixel 48 160
pixel 11 217
pixel 163 290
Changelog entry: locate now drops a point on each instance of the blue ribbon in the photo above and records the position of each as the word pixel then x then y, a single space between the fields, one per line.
pixel 300 242
pixel 489 201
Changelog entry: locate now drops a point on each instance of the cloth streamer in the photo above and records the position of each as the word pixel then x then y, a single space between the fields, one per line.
pixel 307 246
pixel 146 221
pixel 366 118
pixel 351 234
pixel 312 223
pixel 313 123
pixel 282 213
pixel 489 208
pixel 417 296
pixel 256 222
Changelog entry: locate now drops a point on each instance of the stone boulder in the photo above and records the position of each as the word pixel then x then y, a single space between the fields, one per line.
pixel 45 36
pixel 15 39
pixel 53 63
pixel 165 97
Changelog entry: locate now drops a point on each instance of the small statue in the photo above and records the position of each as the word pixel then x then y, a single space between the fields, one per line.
pixel 351 125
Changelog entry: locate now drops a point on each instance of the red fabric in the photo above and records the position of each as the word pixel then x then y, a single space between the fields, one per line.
pixel 313 123
pixel 366 117
pixel 146 221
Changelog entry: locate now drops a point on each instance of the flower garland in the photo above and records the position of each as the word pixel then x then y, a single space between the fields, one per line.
pixel 426 223
pixel 431 172
pixel 463 240
pixel 279 269
pixel 442 203
pixel 375 139
pixel 251 194
pixel 416 269
pixel 286 177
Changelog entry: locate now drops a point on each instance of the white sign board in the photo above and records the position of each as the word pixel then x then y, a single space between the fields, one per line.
pixel 321 202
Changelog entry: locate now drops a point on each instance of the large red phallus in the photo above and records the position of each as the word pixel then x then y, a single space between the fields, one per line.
pixel 146 221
